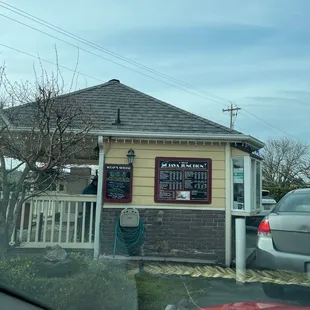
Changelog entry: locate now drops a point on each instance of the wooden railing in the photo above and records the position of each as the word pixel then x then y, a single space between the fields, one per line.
pixel 59 219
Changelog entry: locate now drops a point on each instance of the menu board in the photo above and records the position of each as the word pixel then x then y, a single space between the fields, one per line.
pixel 117 183
pixel 183 180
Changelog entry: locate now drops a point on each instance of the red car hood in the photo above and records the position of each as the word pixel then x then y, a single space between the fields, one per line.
pixel 256 306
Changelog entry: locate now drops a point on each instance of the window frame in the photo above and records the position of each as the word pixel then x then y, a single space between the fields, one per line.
pixel 249 184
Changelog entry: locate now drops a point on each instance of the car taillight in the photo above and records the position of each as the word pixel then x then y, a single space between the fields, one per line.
pixel 264 228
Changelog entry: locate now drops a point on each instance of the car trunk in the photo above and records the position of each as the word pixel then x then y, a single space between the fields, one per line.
pixel 291 232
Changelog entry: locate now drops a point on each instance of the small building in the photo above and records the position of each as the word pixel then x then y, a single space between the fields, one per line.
pixel 188 178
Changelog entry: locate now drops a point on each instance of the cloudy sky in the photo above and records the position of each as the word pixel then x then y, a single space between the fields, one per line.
pixel 254 53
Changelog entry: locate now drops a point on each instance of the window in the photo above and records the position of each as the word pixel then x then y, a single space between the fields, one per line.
pixel 253 184
pixel 247 184
pixel 265 194
pixel 258 184
pixel 238 183
pixel 296 202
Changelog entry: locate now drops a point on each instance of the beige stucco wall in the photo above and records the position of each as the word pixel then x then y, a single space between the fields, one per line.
pixel 144 167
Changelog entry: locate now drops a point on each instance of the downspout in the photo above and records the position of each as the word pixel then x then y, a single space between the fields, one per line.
pixel 99 205
pixel 228 218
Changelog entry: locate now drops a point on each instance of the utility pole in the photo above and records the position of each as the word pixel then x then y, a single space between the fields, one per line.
pixel 233 113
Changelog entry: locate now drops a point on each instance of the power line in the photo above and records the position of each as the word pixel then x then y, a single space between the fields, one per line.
pixel 112 61
pixel 254 120
pixel 66 68
pixel 84 41
pixel 72 36
pixel 267 123
pixel 48 61
pixel 98 47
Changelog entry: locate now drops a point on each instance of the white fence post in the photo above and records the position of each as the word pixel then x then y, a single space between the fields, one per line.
pixel 99 198
pixel 240 249
pixel 68 230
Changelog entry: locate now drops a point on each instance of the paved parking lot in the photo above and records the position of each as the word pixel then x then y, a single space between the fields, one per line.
pixel 218 291
pixel 251 234
pixel 221 291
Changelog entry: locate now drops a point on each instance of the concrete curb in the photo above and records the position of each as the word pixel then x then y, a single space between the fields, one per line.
pixel 157 259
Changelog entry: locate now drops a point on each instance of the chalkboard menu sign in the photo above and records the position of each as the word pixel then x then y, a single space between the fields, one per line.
pixel 118 183
pixel 183 180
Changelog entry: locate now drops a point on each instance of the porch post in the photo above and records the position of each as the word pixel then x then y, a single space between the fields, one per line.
pixel 240 250
pixel 228 219
pixel 99 198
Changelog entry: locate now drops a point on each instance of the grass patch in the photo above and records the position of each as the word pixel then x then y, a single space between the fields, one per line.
pixel 157 292
pixel 99 285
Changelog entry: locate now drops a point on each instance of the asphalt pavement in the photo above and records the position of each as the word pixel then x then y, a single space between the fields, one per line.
pixel 251 235
pixel 219 291
pixel 223 291
pixel 228 291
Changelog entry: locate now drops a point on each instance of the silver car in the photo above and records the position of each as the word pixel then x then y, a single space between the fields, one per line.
pixel 283 241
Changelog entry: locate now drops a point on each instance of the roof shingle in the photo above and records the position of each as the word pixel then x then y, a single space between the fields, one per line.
pixel 138 112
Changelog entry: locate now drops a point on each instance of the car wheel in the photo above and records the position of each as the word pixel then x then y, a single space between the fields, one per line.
pixel 273 290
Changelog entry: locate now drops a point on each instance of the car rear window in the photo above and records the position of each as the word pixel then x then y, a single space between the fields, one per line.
pixel 296 202
pixel 266 197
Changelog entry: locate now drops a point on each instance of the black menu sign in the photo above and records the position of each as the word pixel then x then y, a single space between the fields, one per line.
pixel 183 180
pixel 117 183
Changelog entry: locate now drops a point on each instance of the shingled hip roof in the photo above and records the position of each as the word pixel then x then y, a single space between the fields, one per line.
pixel 138 112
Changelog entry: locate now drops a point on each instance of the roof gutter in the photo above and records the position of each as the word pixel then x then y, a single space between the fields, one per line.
pixel 237 138
pixel 182 136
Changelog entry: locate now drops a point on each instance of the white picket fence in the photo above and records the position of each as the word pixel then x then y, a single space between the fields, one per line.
pixel 60 219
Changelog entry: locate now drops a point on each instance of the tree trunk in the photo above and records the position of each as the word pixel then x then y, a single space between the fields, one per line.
pixel 4 237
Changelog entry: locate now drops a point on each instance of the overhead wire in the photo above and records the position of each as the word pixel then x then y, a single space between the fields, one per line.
pixel 125 59
pixel 105 50
pixel 107 59
pixel 61 66
pixel 267 123
pixel 50 62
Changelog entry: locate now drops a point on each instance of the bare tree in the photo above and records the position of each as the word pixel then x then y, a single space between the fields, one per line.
pixel 286 162
pixel 53 129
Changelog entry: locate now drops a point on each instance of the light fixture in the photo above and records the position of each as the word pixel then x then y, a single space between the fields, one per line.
pixel 131 156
